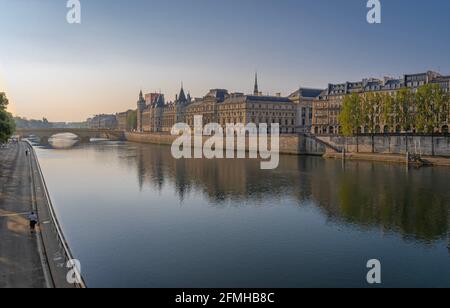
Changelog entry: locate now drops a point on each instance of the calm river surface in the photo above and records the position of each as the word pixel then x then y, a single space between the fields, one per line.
pixel 135 217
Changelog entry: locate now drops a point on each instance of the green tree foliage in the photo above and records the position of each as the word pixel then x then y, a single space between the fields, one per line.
pixel 371 106
pixel 432 108
pixel 351 114
pixel 387 110
pixel 132 120
pixel 427 109
pixel 424 118
pixel 7 125
pixel 404 105
pixel 3 101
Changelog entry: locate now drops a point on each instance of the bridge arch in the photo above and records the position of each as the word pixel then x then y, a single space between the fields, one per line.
pixel 84 135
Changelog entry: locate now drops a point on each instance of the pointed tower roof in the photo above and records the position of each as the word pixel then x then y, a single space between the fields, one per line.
pixel 256 89
pixel 160 101
pixel 141 101
pixel 189 99
pixel 182 96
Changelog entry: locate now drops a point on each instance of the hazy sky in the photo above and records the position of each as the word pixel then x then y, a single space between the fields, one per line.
pixel 70 72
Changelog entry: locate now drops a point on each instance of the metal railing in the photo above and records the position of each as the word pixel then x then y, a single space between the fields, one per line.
pixel 54 220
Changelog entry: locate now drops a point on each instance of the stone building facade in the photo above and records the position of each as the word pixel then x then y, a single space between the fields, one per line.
pixel 303 99
pixel 306 110
pixel 123 122
pixel 217 106
pixel 327 106
pixel 102 121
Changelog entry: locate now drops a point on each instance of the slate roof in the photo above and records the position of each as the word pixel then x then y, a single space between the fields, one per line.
pixel 307 93
pixel 254 98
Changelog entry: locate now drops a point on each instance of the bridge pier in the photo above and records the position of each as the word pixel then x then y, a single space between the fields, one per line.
pixel 85 139
pixel 44 140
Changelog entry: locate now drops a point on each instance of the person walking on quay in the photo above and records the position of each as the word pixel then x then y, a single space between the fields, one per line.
pixel 33 221
pixel 26 153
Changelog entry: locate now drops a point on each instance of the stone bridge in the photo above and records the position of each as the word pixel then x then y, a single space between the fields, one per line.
pixel 83 134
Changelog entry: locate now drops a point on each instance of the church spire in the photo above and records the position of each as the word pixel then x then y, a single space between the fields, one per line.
pixel 182 96
pixel 141 102
pixel 256 89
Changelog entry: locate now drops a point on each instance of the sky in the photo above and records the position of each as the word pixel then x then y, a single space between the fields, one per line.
pixel 69 72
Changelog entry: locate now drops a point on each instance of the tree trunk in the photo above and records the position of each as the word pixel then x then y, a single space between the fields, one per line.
pixel 432 143
pixel 373 143
pixel 389 140
pixel 357 143
pixel 407 142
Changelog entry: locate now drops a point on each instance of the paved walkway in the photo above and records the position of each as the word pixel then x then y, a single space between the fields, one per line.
pixel 390 158
pixel 20 262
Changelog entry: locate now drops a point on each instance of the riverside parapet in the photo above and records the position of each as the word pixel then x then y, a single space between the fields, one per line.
pixel 289 144
pixel 384 148
pixel 29 260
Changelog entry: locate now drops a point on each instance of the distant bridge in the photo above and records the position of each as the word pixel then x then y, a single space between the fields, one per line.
pixel 83 134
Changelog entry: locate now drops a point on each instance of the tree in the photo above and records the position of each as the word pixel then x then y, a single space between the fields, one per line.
pixel 350 116
pixel 7 125
pixel 388 112
pixel 132 120
pixel 371 105
pixel 431 107
pixel 439 100
pixel 368 102
pixel 404 109
pixel 3 101
pixel 446 109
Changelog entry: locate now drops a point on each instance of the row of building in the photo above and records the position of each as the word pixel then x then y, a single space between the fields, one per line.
pixel 217 106
pixel 327 106
pixel 306 110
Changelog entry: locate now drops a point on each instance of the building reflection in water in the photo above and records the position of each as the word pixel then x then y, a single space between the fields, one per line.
pixel 414 203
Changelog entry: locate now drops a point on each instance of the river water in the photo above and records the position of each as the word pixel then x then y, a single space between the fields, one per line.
pixel 136 217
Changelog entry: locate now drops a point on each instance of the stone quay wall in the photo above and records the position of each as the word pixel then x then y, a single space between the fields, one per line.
pixel 289 144
pixel 426 145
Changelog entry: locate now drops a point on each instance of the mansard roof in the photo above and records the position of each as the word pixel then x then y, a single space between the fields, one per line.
pixel 257 98
pixel 160 101
pixel 306 93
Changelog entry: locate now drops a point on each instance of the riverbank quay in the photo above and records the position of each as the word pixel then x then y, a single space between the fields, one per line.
pixel 21 263
pixel 319 146
pixel 29 260
pixel 293 144
pixel 388 158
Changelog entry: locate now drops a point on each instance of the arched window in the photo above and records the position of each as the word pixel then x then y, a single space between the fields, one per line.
pixel 445 129
pixel 398 129
pixel 387 129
